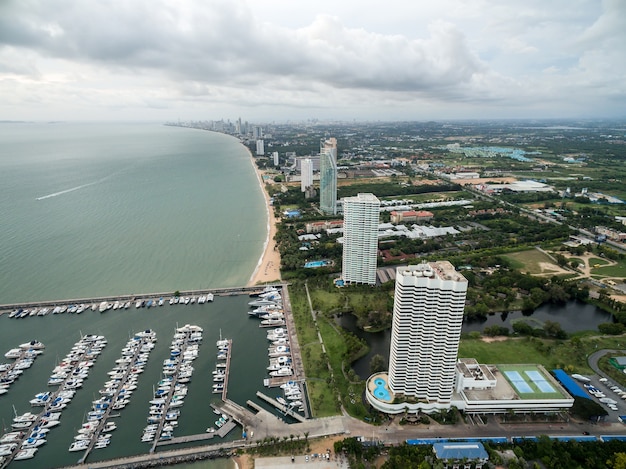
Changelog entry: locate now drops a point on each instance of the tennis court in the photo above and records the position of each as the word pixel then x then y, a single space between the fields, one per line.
pixel 518 382
pixel 539 380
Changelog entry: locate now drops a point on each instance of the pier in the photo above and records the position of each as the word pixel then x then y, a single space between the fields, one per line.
pixel 108 410
pixel 225 390
pixel 133 297
pixel 283 408
pixel 221 432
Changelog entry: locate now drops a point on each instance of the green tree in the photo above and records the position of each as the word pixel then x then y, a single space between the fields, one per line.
pixel 377 364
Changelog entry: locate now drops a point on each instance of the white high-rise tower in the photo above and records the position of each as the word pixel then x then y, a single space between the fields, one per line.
pixel 360 238
pixel 306 174
pixel 426 330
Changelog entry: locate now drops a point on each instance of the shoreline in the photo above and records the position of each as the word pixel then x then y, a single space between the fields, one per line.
pixel 268 267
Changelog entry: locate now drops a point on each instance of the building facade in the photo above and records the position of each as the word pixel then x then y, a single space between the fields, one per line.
pixel 260 147
pixel 360 238
pixel 306 174
pixel 328 176
pixel 426 331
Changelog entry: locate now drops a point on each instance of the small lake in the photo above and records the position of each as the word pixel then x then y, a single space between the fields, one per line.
pixel 573 317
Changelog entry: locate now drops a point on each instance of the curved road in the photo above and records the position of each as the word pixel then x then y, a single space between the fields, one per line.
pixel 595 357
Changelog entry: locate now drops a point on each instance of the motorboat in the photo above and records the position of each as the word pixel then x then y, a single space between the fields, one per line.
pixel 79 445
pixel 26 453
pixel 33 344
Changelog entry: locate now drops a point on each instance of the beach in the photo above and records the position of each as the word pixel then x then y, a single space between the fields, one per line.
pixel 268 267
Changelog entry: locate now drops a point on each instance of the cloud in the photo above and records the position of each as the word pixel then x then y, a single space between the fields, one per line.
pixel 215 51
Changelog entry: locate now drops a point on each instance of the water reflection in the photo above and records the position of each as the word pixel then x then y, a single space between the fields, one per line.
pixel 572 316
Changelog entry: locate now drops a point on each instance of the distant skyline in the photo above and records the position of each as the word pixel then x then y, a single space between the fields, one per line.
pixel 279 60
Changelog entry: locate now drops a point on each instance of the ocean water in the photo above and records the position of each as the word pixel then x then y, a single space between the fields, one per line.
pixel 104 209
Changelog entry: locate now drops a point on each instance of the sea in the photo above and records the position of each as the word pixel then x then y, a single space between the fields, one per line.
pixel 98 209
pixel 103 209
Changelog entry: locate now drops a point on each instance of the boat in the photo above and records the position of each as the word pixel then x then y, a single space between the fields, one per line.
pixel 210 297
pixel 285 371
pixel 33 442
pixel 14 353
pixel 103 306
pixel 33 344
pixel 263 302
pixel 79 445
pixel 7 448
pixel 27 453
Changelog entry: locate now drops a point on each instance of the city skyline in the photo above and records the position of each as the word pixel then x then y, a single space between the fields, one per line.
pixel 271 60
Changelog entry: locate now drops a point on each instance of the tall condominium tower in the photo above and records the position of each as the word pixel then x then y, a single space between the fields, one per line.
pixel 360 238
pixel 426 330
pixel 260 147
pixel 306 174
pixel 328 176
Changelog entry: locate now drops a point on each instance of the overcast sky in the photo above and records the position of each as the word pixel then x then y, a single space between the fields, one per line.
pixel 276 60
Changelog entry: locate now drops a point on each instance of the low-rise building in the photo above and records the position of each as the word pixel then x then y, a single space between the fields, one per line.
pixel 411 216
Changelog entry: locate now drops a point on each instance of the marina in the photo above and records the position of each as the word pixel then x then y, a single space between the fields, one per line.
pixel 69 374
pixel 95 433
pixel 24 357
pixel 239 370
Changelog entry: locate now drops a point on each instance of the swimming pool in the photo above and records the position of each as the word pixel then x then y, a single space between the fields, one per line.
pixel 314 264
pixel 381 391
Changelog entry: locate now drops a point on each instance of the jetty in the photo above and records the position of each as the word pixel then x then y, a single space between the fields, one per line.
pixel 107 413
pixel 283 408
pixel 133 297
pixel 227 369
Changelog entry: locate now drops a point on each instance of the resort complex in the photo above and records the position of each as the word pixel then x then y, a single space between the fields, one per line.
pixel 425 374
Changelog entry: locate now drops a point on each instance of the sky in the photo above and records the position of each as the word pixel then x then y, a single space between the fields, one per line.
pixel 285 60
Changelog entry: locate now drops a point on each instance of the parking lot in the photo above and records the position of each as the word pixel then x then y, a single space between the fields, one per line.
pixel 612 391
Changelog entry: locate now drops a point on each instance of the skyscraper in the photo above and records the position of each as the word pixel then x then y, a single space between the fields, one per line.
pixel 426 330
pixel 360 238
pixel 260 147
pixel 306 174
pixel 328 176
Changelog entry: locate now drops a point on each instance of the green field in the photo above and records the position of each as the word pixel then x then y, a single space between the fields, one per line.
pixel 530 261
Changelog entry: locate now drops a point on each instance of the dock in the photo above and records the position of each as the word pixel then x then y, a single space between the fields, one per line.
pixel 107 413
pixel 225 390
pixel 281 407
pixel 221 432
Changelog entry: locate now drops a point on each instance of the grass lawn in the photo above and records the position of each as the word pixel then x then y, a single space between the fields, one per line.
pixel 616 270
pixel 597 260
pixel 530 261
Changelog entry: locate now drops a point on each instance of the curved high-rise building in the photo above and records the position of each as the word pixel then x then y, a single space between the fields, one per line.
pixel 426 331
pixel 328 176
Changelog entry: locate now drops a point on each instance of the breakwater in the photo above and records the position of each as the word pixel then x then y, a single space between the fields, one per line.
pixel 8 307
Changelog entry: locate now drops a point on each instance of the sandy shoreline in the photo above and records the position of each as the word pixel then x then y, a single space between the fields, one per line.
pixel 268 267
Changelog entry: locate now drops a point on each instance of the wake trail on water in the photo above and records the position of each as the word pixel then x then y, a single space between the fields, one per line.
pixel 54 194
pixel 82 186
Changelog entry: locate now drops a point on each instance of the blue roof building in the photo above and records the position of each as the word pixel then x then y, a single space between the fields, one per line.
pixel 568 383
pixel 450 451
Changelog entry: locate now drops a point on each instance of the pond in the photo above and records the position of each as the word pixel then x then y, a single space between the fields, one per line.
pixel 573 317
